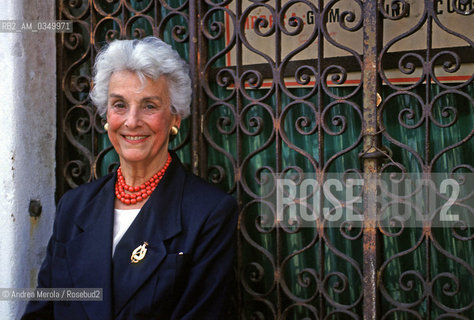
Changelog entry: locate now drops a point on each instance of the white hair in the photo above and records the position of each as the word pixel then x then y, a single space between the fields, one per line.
pixel 149 57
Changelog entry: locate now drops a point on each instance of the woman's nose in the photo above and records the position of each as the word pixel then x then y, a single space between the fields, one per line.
pixel 133 118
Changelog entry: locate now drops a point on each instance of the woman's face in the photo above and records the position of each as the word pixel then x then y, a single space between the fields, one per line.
pixel 139 118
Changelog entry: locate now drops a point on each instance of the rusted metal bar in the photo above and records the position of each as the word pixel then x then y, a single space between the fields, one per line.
pixel 238 160
pixel 320 66
pixel 370 86
pixel 279 168
pixel 195 75
pixel 427 158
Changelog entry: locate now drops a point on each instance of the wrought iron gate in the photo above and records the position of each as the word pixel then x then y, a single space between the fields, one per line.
pixel 287 87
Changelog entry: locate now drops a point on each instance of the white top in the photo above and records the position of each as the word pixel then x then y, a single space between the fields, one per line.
pixel 122 221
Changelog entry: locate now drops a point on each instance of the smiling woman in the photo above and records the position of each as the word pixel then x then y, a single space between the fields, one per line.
pixel 140 121
pixel 158 240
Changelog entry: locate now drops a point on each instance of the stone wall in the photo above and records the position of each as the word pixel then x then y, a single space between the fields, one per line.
pixel 27 147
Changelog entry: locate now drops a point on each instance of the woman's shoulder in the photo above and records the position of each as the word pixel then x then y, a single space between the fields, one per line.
pixel 200 193
pixel 200 185
pixel 206 206
pixel 87 191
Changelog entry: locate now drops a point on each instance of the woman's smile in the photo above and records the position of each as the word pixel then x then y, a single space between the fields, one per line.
pixel 135 139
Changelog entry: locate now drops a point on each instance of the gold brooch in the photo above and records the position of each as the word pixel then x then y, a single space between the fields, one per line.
pixel 139 253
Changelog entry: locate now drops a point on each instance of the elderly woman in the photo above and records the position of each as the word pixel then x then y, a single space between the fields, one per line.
pixel 157 239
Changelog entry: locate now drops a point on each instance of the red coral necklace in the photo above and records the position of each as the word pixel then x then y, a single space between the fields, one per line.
pixel 130 195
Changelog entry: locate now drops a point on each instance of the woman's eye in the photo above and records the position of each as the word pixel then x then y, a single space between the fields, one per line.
pixel 119 105
pixel 150 106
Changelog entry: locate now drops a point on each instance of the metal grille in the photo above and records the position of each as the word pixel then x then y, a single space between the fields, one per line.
pixel 284 88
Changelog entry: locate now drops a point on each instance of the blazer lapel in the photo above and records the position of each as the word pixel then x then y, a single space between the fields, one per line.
pixel 89 254
pixel 158 220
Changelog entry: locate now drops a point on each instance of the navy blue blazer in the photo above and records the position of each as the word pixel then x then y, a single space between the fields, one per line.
pixel 186 273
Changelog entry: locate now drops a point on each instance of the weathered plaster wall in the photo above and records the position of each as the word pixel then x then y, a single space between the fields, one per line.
pixel 27 147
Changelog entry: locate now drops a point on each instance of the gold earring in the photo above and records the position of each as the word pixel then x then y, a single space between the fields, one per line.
pixel 106 126
pixel 174 130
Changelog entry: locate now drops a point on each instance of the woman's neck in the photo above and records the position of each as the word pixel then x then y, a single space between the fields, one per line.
pixel 136 174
